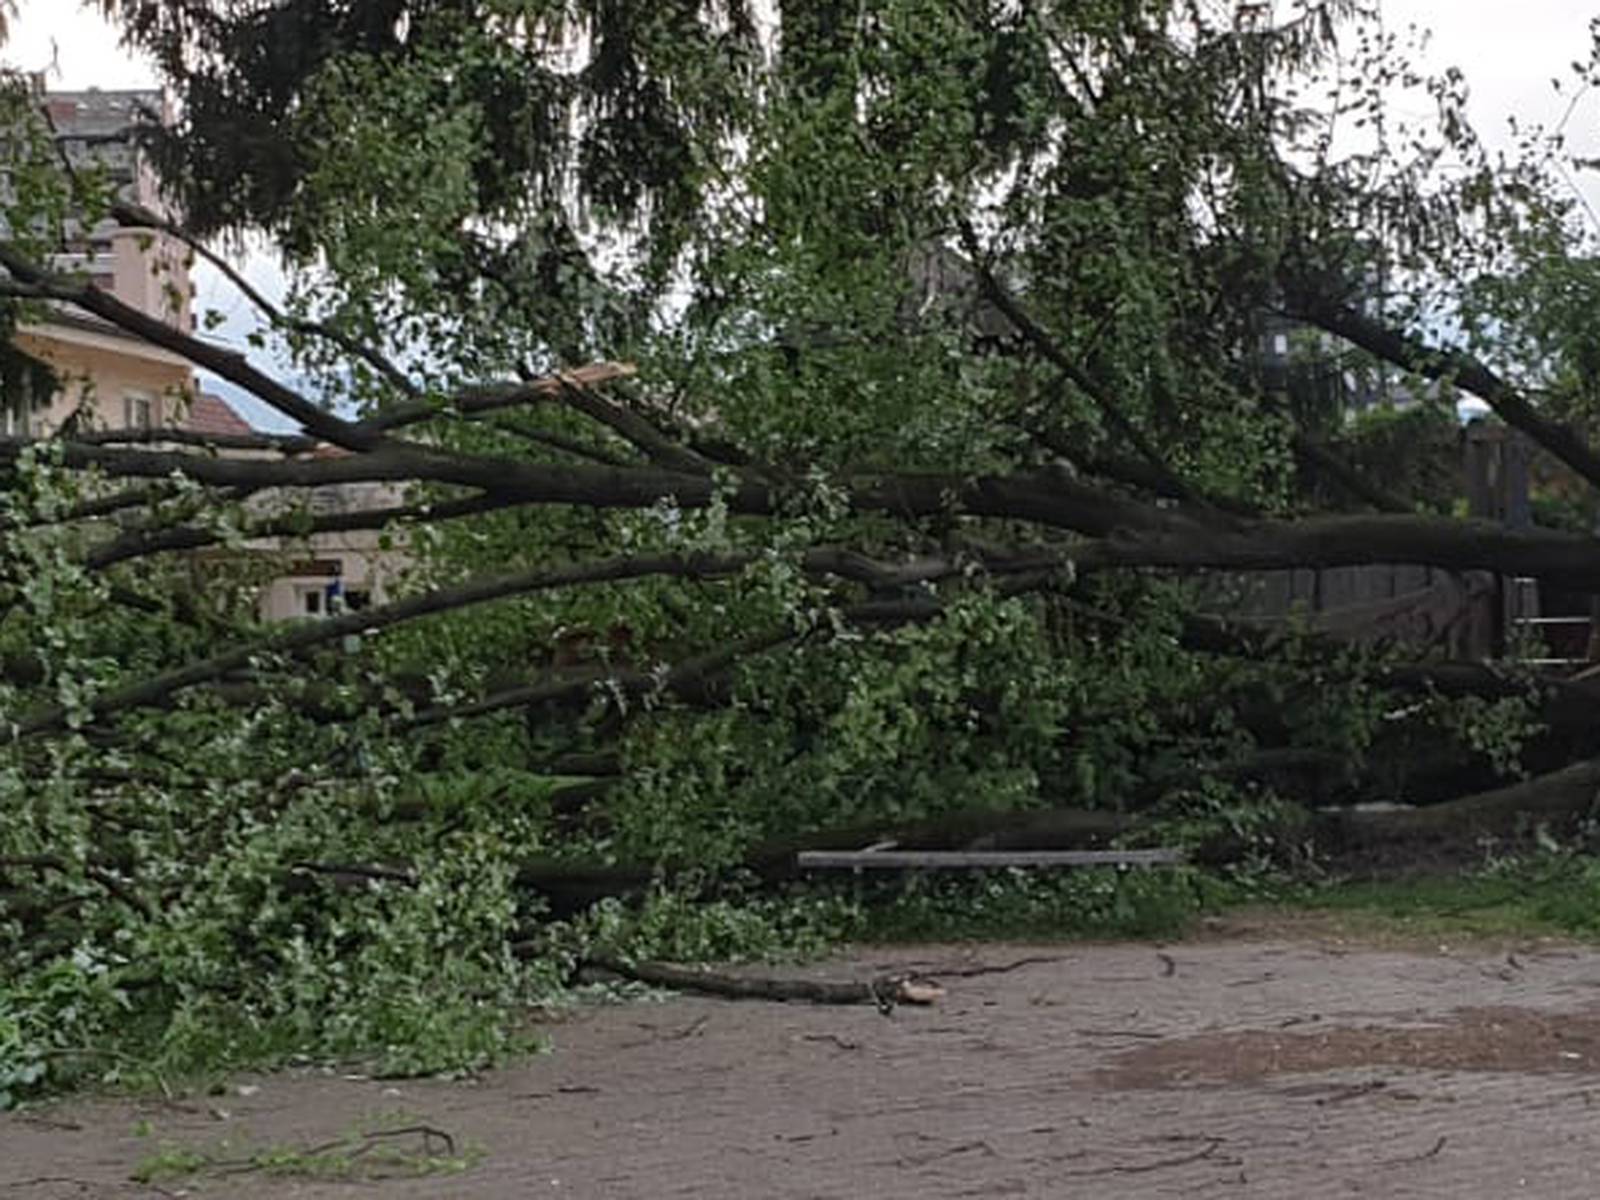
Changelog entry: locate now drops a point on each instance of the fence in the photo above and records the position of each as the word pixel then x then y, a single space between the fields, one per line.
pixel 1471 615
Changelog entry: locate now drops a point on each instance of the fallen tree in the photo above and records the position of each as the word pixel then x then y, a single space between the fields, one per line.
pixel 785 443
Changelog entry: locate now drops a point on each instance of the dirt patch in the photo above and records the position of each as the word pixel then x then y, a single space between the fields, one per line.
pixel 1469 1039
pixel 1304 1063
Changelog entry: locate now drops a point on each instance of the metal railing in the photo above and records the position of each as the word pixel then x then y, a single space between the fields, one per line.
pixel 1524 584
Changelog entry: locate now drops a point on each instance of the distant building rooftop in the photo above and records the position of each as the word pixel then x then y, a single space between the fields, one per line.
pixel 95 112
pixel 210 413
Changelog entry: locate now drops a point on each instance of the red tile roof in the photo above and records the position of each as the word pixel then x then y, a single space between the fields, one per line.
pixel 212 414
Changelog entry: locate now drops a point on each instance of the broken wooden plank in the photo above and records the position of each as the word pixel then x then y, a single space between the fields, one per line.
pixel 977 860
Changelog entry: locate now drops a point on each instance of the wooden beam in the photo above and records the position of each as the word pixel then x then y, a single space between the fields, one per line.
pixel 978 860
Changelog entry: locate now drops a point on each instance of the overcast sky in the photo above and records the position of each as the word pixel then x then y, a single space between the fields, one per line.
pixel 1508 49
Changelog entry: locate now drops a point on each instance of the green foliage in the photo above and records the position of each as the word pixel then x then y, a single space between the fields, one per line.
pixel 1415 450
pixel 1496 729
pixel 677 926
pixel 1093 902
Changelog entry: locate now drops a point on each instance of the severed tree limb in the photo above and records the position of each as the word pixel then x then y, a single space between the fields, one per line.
pixel 31 281
pixel 479 591
pixel 1132 533
pixel 1564 795
pixel 158 688
pixel 97 875
pixel 884 991
pixel 692 678
pixel 684 678
pixel 564 445
pixel 493 397
pixel 165 435
pixel 101 506
pixel 1459 545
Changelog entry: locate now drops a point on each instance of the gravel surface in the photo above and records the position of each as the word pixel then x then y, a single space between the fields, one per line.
pixel 1274 1059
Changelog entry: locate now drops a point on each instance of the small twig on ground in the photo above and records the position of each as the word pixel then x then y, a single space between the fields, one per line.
pixel 688 1031
pixel 807 1137
pixel 43 1180
pixel 1169 965
pixel 1430 1152
pixel 1212 1146
pixel 46 1122
pixel 1288 1022
pixel 1128 1033
pixel 566 1089
pixel 1265 977
pixel 922 1160
pixel 1351 1091
pixel 1001 969
pixel 834 1038
pixel 354 1147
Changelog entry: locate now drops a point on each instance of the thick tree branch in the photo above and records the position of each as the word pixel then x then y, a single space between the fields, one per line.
pixel 158 688
pixel 35 282
pixel 572 447
pixel 1570 560
pixel 144 543
pixel 1132 534
pixel 304 637
pixel 474 401
pixel 158 435
pixel 632 428
pixel 689 678
pixel 577 690
pixel 1412 354
pixel 95 874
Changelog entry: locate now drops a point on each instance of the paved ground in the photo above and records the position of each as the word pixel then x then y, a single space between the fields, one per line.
pixel 1250 1062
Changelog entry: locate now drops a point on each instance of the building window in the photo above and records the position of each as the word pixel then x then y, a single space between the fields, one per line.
pixel 17 407
pixel 357 599
pixel 310 601
pixel 138 412
pixel 16 416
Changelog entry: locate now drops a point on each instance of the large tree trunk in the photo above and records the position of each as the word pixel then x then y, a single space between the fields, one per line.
pixel 1394 837
pixel 1381 839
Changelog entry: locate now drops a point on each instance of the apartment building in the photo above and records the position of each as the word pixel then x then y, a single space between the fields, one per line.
pixel 106 378
pixel 329 573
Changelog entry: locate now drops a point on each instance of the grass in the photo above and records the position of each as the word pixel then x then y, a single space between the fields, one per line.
pixel 1549 895
pixel 394 1149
